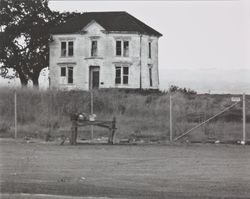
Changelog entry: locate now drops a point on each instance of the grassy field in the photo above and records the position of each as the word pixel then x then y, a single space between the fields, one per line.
pixel 141 115
pixel 48 170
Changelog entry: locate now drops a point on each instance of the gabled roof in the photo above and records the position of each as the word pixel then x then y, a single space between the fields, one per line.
pixel 111 21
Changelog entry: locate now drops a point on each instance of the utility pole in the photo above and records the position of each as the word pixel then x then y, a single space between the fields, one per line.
pixel 170 119
pixel 244 118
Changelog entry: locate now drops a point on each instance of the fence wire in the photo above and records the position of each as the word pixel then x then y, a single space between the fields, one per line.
pixel 140 116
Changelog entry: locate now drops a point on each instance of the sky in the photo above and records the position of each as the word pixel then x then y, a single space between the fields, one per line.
pixel 205 44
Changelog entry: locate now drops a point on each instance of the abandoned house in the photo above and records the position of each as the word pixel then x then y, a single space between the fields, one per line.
pixel 104 50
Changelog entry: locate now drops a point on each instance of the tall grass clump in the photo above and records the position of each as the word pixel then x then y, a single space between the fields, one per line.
pixel 138 114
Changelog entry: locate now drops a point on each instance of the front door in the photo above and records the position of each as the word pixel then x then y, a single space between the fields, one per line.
pixel 95 80
pixel 94 77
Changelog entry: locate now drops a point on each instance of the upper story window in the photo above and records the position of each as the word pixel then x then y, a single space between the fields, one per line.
pixel 122 48
pixel 149 50
pixel 93 48
pixel 67 48
pixel 118 48
pixel 125 48
pixel 70 48
pixel 63 49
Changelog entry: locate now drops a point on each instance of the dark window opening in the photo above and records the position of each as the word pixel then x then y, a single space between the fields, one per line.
pixel 118 75
pixel 125 48
pixel 93 48
pixel 149 50
pixel 125 75
pixel 71 48
pixel 95 79
pixel 150 77
pixel 70 75
pixel 63 49
pixel 118 48
pixel 63 71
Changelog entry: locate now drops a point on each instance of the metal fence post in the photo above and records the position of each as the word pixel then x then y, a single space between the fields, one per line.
pixel 92 111
pixel 170 119
pixel 244 118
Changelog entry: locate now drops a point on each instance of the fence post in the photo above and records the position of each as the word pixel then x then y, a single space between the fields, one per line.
pixel 91 112
pixel 15 113
pixel 244 118
pixel 74 127
pixel 170 119
pixel 113 128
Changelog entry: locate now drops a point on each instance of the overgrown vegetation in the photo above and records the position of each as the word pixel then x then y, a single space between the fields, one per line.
pixel 138 115
pixel 188 91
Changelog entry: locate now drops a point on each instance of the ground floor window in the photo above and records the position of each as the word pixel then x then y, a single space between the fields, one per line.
pixel 121 74
pixel 118 75
pixel 67 74
pixel 70 75
pixel 150 77
pixel 63 71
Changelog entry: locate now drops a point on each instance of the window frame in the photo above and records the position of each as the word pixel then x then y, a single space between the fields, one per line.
pixel 123 77
pixel 124 52
pixel 118 68
pixel 63 71
pixel 63 49
pixel 70 68
pixel 149 49
pixel 94 51
pixel 67 73
pixel 120 55
pixel 67 51
pixel 70 49
pixel 150 76
pixel 125 49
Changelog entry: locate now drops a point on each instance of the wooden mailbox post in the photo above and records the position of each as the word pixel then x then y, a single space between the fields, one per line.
pixel 76 123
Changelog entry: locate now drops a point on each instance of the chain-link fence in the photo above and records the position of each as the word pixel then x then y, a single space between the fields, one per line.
pixel 140 116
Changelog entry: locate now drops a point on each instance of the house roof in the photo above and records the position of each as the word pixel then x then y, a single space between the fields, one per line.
pixel 111 21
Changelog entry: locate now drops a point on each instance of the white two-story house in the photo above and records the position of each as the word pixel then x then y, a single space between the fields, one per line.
pixel 104 50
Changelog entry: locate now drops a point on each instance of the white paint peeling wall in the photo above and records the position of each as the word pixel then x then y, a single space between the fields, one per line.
pixel 106 59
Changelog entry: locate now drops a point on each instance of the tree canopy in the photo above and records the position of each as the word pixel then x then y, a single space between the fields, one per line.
pixel 24 37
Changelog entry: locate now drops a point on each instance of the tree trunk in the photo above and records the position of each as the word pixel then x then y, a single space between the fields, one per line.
pixel 35 78
pixel 35 82
pixel 23 81
pixel 22 77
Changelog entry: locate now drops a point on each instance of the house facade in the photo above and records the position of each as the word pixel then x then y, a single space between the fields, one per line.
pixel 104 50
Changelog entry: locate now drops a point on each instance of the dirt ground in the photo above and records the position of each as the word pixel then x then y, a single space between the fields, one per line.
pixel 48 170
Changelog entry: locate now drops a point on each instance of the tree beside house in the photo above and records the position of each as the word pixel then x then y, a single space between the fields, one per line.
pixel 24 38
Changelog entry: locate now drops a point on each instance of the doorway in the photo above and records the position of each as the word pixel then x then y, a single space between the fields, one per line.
pixel 94 77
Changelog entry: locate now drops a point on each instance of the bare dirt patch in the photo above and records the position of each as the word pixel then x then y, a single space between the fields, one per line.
pixel 126 171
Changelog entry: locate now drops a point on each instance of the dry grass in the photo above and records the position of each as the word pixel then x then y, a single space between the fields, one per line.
pixel 138 115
